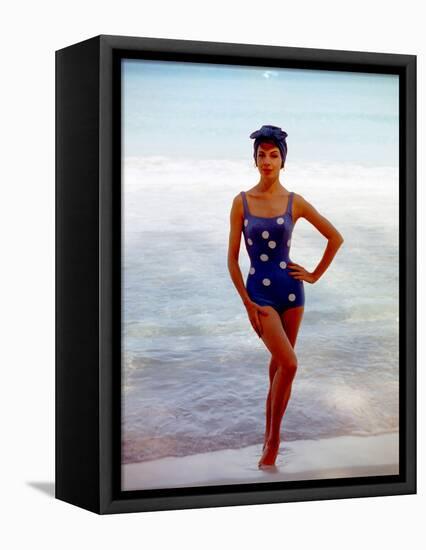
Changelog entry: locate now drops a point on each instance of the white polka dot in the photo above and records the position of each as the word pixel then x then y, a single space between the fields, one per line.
pixel 252 270
pixel 266 282
pixel 264 257
pixel 280 221
pixel 283 265
pixel 288 243
pixel 272 244
pixel 292 297
pixel 250 241
pixel 246 222
pixel 265 234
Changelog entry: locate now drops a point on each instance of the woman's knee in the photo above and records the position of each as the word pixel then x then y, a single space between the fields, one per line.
pixel 288 364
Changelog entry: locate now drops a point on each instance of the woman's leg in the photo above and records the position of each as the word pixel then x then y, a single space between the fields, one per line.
pixel 290 320
pixel 273 365
pixel 282 371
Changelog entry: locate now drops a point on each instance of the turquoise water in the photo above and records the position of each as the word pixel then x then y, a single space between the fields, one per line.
pixel 194 372
pixel 191 110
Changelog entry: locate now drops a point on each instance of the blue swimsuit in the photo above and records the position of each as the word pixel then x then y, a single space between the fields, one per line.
pixel 268 243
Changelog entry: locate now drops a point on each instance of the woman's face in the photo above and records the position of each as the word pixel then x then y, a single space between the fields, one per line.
pixel 268 159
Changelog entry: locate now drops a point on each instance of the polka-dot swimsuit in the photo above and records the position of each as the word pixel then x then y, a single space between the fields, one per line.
pixel 268 243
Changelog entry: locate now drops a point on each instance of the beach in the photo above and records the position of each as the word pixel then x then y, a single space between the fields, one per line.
pixel 338 457
pixel 194 373
pixel 195 377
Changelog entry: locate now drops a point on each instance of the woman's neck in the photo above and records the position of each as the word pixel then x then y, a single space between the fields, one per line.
pixel 270 186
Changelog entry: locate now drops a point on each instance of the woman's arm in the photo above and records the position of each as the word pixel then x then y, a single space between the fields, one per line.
pixel 236 225
pixel 335 239
pixel 254 311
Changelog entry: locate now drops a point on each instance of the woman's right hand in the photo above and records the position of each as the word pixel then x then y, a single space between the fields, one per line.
pixel 254 312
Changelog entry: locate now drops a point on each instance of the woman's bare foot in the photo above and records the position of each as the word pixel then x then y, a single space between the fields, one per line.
pixel 270 452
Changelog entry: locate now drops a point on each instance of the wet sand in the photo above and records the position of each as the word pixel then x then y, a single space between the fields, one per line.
pixel 340 457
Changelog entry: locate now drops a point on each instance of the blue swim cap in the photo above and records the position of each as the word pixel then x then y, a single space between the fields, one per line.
pixel 270 133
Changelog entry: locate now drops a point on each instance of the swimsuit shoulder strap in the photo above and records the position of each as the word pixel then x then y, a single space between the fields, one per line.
pixel 290 202
pixel 246 210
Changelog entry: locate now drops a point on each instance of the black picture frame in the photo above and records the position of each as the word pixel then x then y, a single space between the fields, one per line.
pixel 88 274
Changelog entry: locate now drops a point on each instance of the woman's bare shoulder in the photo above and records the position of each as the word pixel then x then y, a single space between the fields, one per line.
pixel 237 201
pixel 297 198
pixel 302 206
pixel 298 205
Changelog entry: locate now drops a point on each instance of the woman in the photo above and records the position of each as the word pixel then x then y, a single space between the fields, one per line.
pixel 274 293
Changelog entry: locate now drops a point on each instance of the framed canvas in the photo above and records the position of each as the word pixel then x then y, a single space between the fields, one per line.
pixel 210 351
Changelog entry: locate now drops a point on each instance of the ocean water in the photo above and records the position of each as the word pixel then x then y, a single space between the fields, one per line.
pixel 194 373
pixel 207 111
